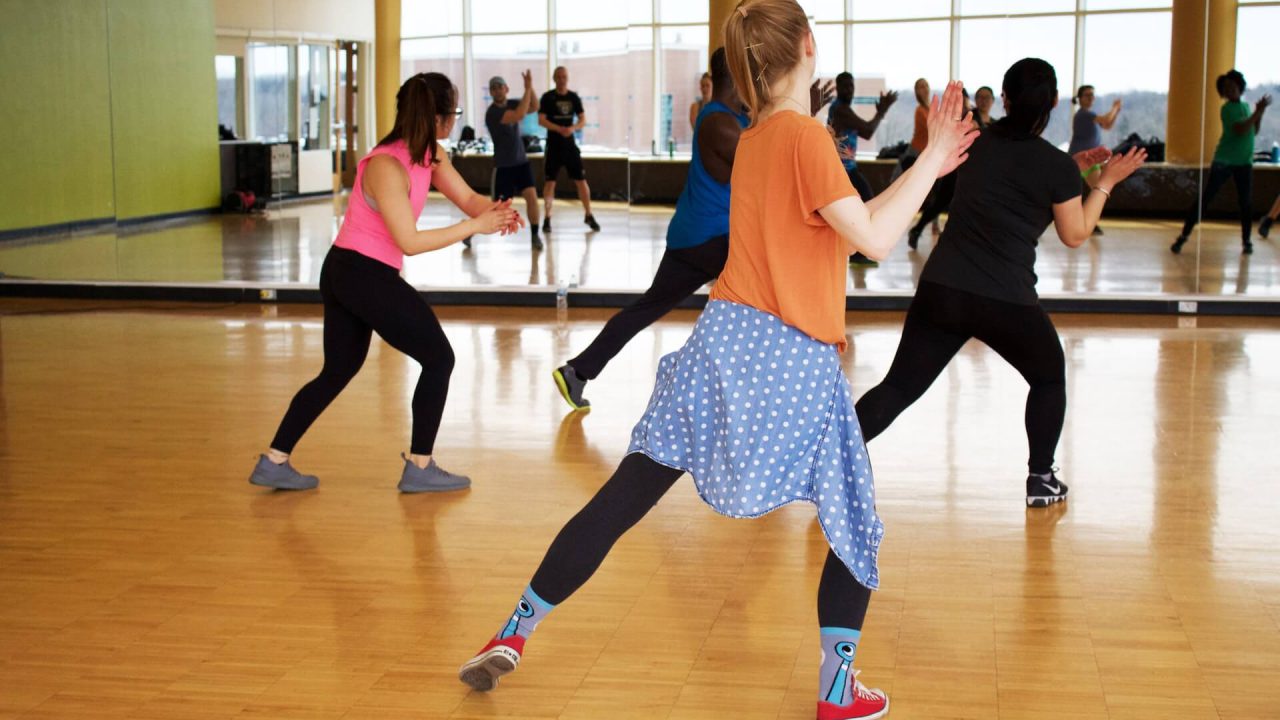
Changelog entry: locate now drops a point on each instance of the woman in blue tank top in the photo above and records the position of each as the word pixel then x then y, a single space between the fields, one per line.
pixel 697 237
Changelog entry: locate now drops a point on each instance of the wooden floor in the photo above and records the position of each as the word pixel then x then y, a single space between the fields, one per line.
pixel 142 577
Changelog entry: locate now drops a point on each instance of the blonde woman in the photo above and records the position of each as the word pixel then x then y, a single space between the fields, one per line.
pixel 756 406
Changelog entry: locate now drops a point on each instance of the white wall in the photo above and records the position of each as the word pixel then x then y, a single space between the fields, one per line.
pixel 304 19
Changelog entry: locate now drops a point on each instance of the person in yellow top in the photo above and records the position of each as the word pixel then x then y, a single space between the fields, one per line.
pixel 755 406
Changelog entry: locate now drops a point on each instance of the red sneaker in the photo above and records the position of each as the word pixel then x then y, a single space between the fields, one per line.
pixel 866 705
pixel 497 658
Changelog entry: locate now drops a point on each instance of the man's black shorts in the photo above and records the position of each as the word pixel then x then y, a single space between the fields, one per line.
pixel 569 158
pixel 510 182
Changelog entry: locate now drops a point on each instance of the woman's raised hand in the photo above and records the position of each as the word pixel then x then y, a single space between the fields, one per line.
pixel 951 131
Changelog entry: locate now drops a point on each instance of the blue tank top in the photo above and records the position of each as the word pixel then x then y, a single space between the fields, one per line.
pixel 702 212
pixel 846 143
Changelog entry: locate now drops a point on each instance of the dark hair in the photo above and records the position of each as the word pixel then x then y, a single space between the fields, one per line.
pixel 422 99
pixel 1075 100
pixel 1031 90
pixel 845 76
pixel 987 88
pixel 720 78
pixel 1232 75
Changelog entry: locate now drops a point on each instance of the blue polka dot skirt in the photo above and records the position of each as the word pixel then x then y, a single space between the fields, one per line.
pixel 761 415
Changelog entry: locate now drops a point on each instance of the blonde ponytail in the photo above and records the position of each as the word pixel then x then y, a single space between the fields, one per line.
pixel 762 43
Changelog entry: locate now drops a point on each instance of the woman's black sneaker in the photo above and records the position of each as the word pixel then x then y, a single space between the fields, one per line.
pixel 590 220
pixel 1042 492
pixel 1176 247
pixel 546 224
pixel 1264 227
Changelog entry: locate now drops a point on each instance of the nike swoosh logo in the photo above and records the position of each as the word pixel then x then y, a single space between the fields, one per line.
pixel 1055 489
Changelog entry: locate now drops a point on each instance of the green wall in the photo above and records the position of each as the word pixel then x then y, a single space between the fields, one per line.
pixel 109 110
pixel 55 113
pixel 163 106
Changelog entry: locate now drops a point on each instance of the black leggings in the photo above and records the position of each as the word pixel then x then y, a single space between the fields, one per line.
pixel 680 273
pixel 940 321
pixel 939 202
pixel 1218 176
pixel 636 486
pixel 362 295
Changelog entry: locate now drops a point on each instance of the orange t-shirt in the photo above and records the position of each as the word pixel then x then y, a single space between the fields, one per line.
pixel 783 257
pixel 920 139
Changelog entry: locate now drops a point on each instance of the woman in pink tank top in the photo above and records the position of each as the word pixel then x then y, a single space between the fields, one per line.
pixel 363 292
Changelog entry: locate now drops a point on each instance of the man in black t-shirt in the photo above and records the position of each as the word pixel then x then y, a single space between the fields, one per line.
pixel 561 113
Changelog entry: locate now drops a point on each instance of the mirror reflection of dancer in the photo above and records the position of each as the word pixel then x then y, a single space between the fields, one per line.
pixel 1086 134
pixel 363 292
pixel 1233 159
pixel 513 176
pixel 979 282
pixel 560 111
pixel 939 200
pixel 984 98
pixel 756 406
pixel 848 126
pixel 697 237
pixel 1264 227
pixel 706 89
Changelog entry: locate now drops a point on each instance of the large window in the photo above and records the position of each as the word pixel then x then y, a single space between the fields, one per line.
pixel 227 70
pixel 890 45
pixel 272 76
pixel 684 59
pixel 637 64
pixel 1256 57
pixel 613 52
pixel 1132 67
pixel 989 46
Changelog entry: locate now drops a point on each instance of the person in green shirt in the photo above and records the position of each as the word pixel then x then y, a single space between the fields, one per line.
pixel 1233 159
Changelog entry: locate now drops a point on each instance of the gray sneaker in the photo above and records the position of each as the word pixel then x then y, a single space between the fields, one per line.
pixel 281 477
pixel 432 478
pixel 571 387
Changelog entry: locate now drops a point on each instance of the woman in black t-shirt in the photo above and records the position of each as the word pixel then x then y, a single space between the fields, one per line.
pixel 980 280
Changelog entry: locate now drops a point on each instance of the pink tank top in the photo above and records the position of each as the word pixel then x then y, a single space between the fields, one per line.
pixel 363 229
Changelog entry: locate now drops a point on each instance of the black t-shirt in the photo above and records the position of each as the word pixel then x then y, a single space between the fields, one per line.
pixel 1004 201
pixel 561 110
pixel 508 147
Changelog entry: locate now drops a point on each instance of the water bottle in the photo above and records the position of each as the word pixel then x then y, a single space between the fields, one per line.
pixel 1275 153
pixel 671 147
pixel 562 301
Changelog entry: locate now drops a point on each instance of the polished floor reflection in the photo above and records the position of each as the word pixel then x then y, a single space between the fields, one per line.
pixel 287 245
pixel 142 576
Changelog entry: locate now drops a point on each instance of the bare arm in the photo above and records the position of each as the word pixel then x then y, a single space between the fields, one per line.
pixel 513 117
pixel 874 229
pixel 582 122
pixel 1108 121
pixel 1075 220
pixel 1242 127
pixel 387 184
pixel 718 144
pixel 693 115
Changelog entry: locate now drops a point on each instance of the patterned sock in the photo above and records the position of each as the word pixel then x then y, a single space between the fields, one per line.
pixel 836 676
pixel 525 618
